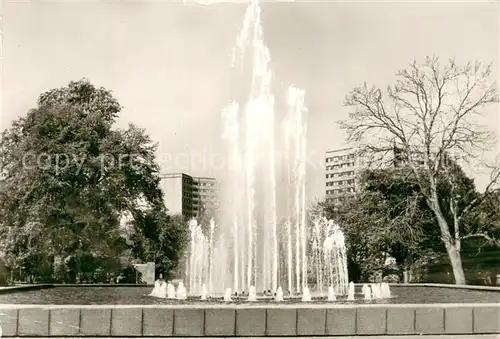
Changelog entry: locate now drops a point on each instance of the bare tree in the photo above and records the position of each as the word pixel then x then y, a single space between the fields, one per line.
pixel 434 113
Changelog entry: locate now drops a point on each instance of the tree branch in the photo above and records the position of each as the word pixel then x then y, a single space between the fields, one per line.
pixel 489 239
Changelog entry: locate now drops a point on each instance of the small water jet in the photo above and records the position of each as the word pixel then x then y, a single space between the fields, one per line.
pixel 162 293
pixel 279 294
pixel 367 293
pixel 181 292
pixel 156 290
pixel 385 291
pixel 306 294
pixel 351 291
pixel 171 291
pixel 375 288
pixel 331 294
pixel 204 292
pixel 252 295
pixel 227 295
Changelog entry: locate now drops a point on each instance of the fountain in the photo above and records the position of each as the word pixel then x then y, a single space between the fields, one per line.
pixel 227 295
pixel 249 249
pixel 329 260
pixel 279 294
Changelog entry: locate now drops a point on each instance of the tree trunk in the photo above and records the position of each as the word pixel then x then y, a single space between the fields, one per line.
pixel 452 249
pixel 456 264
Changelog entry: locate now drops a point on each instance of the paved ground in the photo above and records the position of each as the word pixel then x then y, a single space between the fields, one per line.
pixel 468 336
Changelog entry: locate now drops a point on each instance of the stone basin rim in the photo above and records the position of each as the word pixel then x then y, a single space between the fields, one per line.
pixel 247 306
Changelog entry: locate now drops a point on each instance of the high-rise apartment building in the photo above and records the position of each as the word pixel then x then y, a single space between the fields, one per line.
pixel 344 166
pixel 205 192
pixel 342 169
pixel 178 193
pixel 188 195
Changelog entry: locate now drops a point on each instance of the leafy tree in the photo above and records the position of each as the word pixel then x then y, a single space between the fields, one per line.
pixel 431 112
pixel 68 178
pixel 481 245
pixel 483 219
pixel 159 238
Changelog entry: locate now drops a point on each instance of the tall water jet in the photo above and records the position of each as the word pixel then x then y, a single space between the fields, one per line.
pixel 295 154
pixel 250 135
pixel 231 137
pixel 249 249
pixel 198 265
pixel 210 256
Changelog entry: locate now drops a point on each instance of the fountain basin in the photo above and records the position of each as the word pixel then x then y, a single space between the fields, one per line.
pixel 112 311
pixel 247 320
pixel 139 295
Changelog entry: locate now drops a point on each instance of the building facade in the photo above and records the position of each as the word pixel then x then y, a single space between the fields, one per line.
pixel 188 195
pixel 178 193
pixel 344 166
pixel 205 192
pixel 342 169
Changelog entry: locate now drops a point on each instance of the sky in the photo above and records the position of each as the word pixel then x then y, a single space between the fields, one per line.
pixel 168 63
